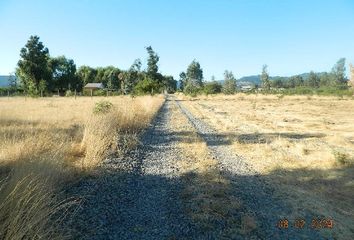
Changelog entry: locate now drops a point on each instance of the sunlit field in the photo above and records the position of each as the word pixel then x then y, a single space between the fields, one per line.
pixel 48 142
pixel 303 145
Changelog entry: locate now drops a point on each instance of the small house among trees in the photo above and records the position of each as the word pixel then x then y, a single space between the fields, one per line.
pixel 91 87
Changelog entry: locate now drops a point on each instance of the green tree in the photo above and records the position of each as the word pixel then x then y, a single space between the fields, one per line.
pixel 64 74
pixel 145 86
pixel 325 79
pixel 152 61
pixel 338 72
pixel 291 82
pixel 170 84
pixel 194 74
pixel 86 75
pixel 299 81
pixel 229 86
pixel 12 82
pixel 33 65
pixel 182 80
pixel 133 76
pixel 99 76
pixel 110 77
pixel 265 78
pixel 313 80
pixel 277 82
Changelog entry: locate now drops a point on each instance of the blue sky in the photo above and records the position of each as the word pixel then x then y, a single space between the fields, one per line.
pixel 291 36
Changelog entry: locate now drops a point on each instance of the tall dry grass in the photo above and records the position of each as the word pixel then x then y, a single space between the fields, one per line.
pixel 46 143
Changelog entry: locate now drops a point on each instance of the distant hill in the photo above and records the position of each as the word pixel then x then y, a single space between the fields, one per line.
pixel 256 79
pixel 253 80
pixel 4 81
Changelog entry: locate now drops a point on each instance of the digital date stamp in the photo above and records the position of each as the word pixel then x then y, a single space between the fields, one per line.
pixel 300 223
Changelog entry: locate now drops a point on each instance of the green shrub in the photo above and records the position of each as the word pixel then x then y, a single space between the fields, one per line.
pixel 69 93
pixel 146 86
pixel 192 89
pixel 102 107
pixel 212 88
pixel 99 92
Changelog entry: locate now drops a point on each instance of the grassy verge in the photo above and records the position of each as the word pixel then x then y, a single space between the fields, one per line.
pixel 47 143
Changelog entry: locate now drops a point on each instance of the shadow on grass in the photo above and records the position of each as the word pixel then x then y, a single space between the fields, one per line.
pixel 217 139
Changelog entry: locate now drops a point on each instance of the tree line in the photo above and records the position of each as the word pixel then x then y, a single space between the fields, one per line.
pixel 191 81
pixel 335 78
pixel 41 74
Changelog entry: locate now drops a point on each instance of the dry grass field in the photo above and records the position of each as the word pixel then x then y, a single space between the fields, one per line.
pixel 303 145
pixel 48 142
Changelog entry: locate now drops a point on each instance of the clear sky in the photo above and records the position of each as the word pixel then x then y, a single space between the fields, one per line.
pixel 291 36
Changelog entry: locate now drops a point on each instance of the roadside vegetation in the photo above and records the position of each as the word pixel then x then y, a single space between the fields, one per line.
pixel 303 145
pixel 47 143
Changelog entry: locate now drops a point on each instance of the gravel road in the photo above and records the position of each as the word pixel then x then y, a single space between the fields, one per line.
pixel 138 196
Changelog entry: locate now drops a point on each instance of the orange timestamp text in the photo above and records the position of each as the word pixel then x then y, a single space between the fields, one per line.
pixel 316 223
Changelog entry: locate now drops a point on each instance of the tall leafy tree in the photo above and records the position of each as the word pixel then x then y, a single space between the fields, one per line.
pixel 170 84
pixel 110 77
pixel 313 80
pixel 229 86
pixel 291 82
pixel 134 75
pixel 64 73
pixel 152 61
pixel 299 81
pixel 99 77
pixel 338 72
pixel 265 78
pixel 195 74
pixel 123 78
pixel 86 75
pixel 182 80
pixel 33 66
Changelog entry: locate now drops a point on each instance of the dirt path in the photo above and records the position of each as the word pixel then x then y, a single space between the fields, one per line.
pixel 139 196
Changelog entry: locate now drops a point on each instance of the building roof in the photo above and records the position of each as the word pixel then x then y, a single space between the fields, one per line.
pixel 94 85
